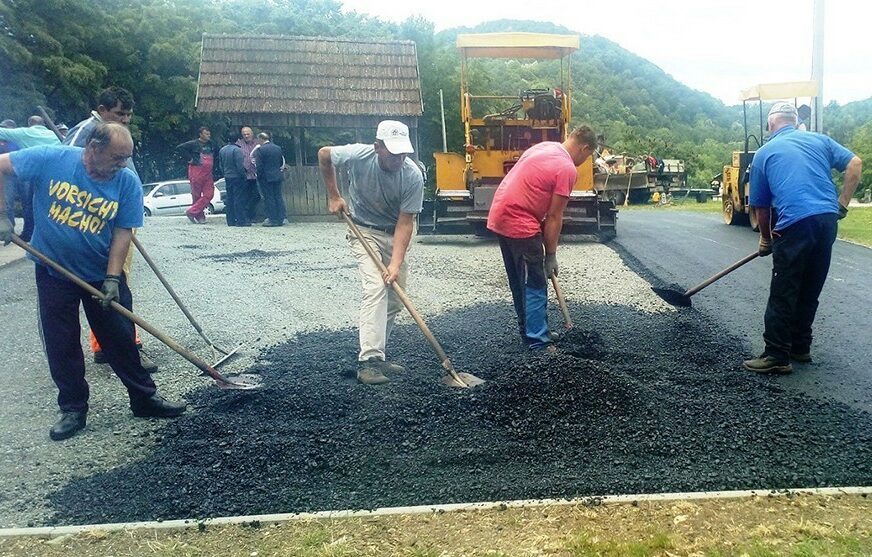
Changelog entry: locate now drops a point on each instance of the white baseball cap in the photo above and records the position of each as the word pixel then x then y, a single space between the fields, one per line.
pixel 395 136
pixel 783 108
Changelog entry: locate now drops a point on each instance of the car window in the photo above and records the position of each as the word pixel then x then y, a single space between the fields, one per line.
pixel 183 188
pixel 146 189
pixel 166 189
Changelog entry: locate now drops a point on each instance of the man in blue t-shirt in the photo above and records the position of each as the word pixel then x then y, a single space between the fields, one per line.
pixel 86 204
pixel 792 174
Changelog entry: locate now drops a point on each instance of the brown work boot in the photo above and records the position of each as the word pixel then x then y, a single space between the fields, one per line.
pixel 390 367
pixel 371 375
pixel 767 364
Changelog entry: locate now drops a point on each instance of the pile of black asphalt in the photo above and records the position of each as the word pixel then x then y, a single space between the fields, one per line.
pixel 635 403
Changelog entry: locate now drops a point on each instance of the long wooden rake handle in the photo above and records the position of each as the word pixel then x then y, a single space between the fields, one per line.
pixel 722 274
pixel 155 332
pixel 564 309
pixel 401 294
pixel 173 294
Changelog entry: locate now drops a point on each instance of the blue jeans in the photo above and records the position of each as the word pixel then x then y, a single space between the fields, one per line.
pixel 800 262
pixel 524 259
pixel 22 191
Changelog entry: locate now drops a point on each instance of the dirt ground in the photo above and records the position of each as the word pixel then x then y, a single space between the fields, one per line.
pixel 758 527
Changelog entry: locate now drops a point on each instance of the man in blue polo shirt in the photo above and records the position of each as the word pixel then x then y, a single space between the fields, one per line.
pixel 791 173
pixel 86 203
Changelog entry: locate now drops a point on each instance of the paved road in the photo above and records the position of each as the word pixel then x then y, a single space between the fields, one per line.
pixel 687 248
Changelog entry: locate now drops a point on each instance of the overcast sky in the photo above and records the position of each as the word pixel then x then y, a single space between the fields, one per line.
pixel 716 46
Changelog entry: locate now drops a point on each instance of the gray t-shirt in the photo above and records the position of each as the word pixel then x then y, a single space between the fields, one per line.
pixel 374 196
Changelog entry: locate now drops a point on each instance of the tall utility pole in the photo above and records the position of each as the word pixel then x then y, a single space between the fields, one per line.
pixel 817 67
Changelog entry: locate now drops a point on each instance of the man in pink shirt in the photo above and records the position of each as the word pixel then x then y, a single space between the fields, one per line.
pixel 527 216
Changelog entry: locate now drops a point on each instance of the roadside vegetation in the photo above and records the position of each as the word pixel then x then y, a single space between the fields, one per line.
pixel 856 227
pixel 797 526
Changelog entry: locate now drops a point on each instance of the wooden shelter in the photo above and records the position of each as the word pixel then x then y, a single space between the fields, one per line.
pixel 293 84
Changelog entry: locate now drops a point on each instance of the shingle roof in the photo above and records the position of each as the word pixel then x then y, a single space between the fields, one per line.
pixel 308 75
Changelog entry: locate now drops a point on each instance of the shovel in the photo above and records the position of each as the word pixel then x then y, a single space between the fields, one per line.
pixel 454 379
pixel 682 299
pixel 561 301
pixel 175 297
pixel 242 381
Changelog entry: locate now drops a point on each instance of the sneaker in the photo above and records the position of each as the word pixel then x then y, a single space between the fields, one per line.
pixel 767 364
pixel 156 406
pixel 553 335
pixel 100 358
pixel 191 218
pixel 146 362
pixel 68 425
pixel 802 357
pixel 371 376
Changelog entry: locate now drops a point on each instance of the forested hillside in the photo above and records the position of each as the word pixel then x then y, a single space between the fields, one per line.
pixel 58 53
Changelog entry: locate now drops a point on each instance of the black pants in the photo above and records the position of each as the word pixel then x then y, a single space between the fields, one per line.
pixel 253 197
pixel 273 204
pixel 236 204
pixel 800 262
pixel 524 259
pixel 59 302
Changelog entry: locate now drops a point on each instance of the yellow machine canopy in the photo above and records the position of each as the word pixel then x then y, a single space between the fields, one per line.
pixel 517 45
pixel 777 91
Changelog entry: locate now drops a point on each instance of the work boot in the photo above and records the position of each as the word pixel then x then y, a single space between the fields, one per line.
pixel 390 367
pixel 767 364
pixel 370 374
pixel 100 358
pixel 67 425
pixel 156 406
pixel 802 355
pixel 147 364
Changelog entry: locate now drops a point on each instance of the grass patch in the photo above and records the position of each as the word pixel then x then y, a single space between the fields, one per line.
pixel 679 204
pixel 857 226
pixel 795 526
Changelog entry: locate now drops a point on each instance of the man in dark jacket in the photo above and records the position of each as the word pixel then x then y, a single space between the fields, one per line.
pixel 230 158
pixel 200 154
pixel 269 161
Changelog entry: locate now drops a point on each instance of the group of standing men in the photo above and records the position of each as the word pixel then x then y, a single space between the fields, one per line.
pixel 251 168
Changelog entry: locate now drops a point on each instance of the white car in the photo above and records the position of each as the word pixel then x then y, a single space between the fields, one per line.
pixel 173 197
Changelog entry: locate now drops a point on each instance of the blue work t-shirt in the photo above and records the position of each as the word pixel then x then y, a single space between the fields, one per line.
pixel 792 173
pixel 74 215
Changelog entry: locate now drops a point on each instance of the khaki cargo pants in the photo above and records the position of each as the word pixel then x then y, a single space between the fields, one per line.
pixel 380 305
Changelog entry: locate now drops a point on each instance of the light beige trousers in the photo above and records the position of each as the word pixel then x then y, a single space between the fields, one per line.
pixel 380 305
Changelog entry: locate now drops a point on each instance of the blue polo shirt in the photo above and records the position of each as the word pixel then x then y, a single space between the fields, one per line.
pixel 74 215
pixel 792 173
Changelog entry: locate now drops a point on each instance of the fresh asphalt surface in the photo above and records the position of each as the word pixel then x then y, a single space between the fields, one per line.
pixel 686 248
pixel 643 397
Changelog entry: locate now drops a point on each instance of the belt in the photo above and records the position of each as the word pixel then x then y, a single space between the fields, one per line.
pixel 385 229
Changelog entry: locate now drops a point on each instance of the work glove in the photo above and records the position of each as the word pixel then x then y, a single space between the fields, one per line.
pixel 110 290
pixel 765 247
pixel 843 211
pixel 550 265
pixel 6 230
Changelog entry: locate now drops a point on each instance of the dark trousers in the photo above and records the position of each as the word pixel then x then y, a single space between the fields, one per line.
pixel 524 259
pixel 235 204
pixel 23 192
pixel 273 204
pixel 253 198
pixel 800 262
pixel 59 302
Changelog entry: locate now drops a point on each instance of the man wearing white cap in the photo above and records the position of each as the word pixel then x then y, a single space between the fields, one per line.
pixel 385 192
pixel 792 173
